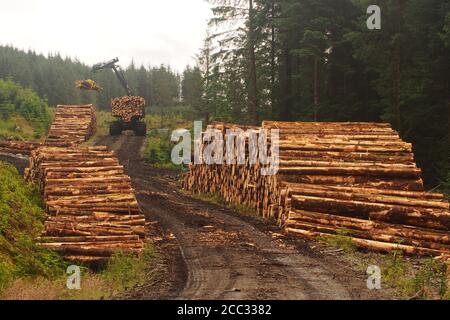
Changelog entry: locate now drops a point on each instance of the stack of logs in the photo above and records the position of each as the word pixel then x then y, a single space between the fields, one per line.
pixel 73 125
pixel 128 107
pixel 356 178
pixel 23 148
pixel 92 207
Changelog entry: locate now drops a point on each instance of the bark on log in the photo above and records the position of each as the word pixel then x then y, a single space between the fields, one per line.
pixel 340 169
pixel 128 107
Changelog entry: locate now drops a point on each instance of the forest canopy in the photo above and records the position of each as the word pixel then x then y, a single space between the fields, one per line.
pixel 316 60
pixel 305 60
pixel 53 78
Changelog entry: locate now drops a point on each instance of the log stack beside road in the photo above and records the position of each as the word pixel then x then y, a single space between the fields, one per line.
pixel 73 125
pixel 92 207
pixel 91 204
pixel 23 148
pixel 354 178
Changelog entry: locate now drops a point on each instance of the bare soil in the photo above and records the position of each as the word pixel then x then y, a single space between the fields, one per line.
pixel 209 251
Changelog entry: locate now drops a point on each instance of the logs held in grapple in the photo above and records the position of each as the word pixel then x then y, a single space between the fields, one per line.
pixel 128 107
pixel 88 85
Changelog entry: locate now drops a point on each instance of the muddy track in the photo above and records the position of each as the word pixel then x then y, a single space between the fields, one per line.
pixel 215 253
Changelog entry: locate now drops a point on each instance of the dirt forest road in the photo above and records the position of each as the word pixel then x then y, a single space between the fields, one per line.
pixel 211 252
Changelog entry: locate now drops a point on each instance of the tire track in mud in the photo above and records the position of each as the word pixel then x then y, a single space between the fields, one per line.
pixel 222 255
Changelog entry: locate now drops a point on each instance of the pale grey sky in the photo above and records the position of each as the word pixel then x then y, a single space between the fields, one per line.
pixel 150 31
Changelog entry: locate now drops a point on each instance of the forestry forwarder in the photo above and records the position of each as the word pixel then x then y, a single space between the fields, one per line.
pixel 129 110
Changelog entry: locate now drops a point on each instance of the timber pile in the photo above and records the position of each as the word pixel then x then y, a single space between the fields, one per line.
pixel 128 107
pixel 73 124
pixel 92 207
pixel 360 178
pixel 23 148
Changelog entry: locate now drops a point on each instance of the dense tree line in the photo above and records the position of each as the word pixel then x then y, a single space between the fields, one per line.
pixel 317 60
pixel 53 77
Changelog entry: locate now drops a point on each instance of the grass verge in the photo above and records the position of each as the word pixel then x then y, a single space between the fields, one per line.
pixel 158 147
pixel 21 222
pixel 409 277
pixel 122 273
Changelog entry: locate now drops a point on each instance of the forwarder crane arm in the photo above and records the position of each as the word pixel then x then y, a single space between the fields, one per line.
pixel 116 68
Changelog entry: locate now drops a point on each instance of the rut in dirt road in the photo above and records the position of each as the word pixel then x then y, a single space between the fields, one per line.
pixel 226 256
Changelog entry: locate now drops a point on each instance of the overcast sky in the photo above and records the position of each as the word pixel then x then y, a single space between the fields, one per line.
pixel 150 31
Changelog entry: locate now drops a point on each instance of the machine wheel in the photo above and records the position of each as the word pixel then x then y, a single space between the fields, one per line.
pixel 115 129
pixel 140 129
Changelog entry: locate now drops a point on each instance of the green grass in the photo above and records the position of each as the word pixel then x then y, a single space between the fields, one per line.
pixel 23 114
pixel 158 149
pixel 21 222
pixel 18 128
pixel 427 281
pixel 341 240
pixel 123 272
pixel 104 119
pixel 407 277
pixel 158 146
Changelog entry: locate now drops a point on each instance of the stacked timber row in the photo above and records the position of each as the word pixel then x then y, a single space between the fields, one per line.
pixel 73 125
pixel 23 148
pixel 91 204
pixel 235 183
pixel 128 107
pixel 356 178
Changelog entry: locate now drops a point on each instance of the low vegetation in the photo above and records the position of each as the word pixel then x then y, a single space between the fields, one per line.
pixel 21 222
pixel 341 240
pixel 104 119
pixel 158 148
pixel 425 279
pixel 410 278
pixel 123 272
pixel 23 114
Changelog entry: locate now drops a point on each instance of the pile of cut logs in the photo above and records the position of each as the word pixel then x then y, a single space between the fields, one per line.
pixel 356 178
pixel 92 207
pixel 23 148
pixel 128 107
pixel 73 125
